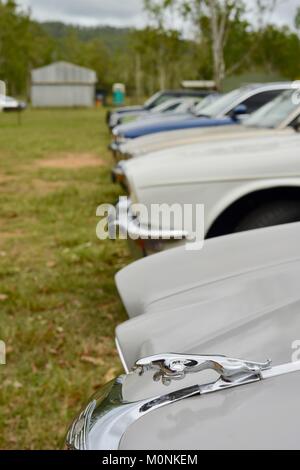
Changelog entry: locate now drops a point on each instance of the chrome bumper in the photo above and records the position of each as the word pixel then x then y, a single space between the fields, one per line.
pixel 113 147
pixel 118 176
pixel 142 240
pixel 118 155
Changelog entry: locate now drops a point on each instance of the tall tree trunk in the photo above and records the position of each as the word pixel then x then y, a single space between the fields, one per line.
pixel 218 28
pixel 161 70
pixel 162 78
pixel 138 75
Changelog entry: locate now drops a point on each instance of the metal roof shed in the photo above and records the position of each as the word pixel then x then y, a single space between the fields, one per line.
pixel 63 85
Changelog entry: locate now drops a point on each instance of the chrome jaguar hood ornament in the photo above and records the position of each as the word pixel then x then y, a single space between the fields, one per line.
pixel 177 366
pixel 104 422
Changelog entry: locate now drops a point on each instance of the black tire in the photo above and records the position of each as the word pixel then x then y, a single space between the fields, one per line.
pixel 269 215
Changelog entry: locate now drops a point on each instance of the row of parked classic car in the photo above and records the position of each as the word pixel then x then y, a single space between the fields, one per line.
pixel 211 350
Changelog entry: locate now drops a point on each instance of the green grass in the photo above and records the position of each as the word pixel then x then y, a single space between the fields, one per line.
pixel 59 306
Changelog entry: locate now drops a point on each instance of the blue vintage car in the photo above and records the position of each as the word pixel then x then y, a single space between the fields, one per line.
pixel 227 110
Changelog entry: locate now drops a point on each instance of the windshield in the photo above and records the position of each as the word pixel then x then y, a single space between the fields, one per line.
pixel 274 113
pixel 221 105
pixel 197 108
pixel 166 106
pixel 157 99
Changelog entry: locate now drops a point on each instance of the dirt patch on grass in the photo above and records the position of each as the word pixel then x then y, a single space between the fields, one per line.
pixel 72 161
pixel 37 187
pixel 10 234
pixel 5 179
pixel 7 184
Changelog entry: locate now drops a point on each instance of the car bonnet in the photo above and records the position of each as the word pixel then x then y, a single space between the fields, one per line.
pixel 179 300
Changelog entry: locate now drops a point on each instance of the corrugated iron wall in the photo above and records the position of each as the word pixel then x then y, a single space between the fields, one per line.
pixel 63 85
pixel 62 96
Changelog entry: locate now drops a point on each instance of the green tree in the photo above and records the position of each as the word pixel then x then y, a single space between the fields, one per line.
pixel 23 45
pixel 216 21
pixel 279 51
pixel 297 19
pixel 90 53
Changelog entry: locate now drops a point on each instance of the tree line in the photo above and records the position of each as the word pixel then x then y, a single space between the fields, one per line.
pixel 216 39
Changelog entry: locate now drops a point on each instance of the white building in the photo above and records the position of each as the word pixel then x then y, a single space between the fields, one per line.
pixel 63 85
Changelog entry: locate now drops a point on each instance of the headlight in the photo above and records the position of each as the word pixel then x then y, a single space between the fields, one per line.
pixel 119 138
pixel 125 152
pixel 114 121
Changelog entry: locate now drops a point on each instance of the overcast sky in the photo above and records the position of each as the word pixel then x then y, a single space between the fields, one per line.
pixel 118 12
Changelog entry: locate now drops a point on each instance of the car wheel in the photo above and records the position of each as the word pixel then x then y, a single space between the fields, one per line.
pixel 269 215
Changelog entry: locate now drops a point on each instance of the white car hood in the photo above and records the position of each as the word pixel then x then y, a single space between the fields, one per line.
pixel 237 292
pixel 250 156
pixel 163 140
pixel 166 140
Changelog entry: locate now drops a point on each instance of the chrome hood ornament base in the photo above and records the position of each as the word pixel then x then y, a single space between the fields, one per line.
pixel 102 425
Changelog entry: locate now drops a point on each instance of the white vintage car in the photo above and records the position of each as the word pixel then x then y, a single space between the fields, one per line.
pixel 249 181
pixel 227 311
pixel 8 103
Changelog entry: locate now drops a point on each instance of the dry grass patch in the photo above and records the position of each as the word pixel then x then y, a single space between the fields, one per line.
pixel 4 179
pixel 72 161
pixel 35 187
pixel 6 236
pixel 42 188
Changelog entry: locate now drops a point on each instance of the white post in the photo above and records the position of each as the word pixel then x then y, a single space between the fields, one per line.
pixel 2 353
pixel 2 91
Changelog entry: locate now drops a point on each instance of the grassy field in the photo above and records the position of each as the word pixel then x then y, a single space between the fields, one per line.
pixel 58 302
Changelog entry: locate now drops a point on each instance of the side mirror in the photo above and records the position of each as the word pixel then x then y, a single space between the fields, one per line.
pixel 241 111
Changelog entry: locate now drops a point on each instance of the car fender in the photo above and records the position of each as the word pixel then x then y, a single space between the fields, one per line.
pixel 245 188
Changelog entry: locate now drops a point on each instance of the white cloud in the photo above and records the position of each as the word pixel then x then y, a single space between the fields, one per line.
pixel 285 12
pixel 88 12
pixel 120 12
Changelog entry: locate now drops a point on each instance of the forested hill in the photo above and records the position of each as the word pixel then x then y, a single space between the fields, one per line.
pixel 113 38
pixel 144 60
